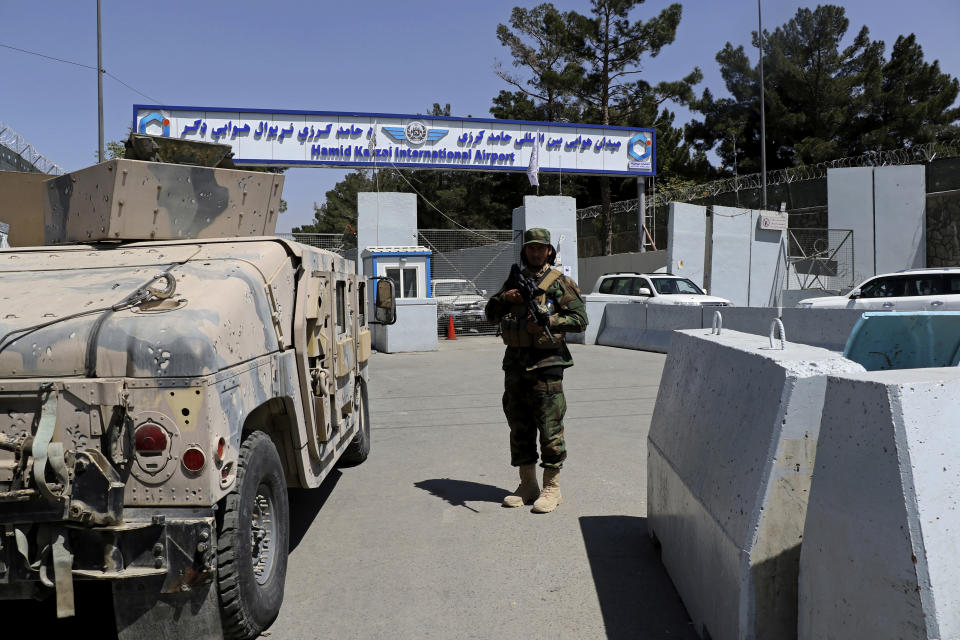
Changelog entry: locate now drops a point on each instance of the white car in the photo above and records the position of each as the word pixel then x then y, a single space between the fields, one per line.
pixel 458 297
pixel 909 290
pixel 656 288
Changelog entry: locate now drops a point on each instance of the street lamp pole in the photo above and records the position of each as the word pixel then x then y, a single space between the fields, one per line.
pixel 763 117
pixel 100 154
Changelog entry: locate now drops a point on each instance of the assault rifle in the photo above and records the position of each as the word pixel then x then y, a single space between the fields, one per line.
pixel 529 291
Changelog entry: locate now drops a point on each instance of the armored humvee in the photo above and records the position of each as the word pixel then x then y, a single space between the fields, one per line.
pixel 167 369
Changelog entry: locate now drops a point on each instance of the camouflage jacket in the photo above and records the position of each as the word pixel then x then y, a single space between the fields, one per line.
pixel 569 315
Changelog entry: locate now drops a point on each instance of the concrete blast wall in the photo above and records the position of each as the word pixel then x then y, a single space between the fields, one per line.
pixel 687 232
pixel 880 546
pixel 886 209
pixel 731 451
pixel 386 220
pixel 558 214
pixel 728 253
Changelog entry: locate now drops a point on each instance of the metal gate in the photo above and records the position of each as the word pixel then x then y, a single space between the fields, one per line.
pixel 467 267
pixel 820 259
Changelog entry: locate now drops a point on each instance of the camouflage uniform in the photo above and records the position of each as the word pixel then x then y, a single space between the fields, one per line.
pixel 533 399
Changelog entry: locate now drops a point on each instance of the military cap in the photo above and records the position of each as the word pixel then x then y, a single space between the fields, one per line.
pixel 537 235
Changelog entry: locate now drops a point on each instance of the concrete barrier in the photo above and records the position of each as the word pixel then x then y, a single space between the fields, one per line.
pixel 595 305
pixel 880 546
pixel 827 328
pixel 623 326
pixel 755 320
pixel 731 451
pixel 663 320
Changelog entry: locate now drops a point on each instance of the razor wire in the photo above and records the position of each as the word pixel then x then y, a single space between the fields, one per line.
pixel 16 143
pixel 923 154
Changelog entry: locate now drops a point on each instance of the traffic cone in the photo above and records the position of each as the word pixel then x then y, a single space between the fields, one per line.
pixel 451 332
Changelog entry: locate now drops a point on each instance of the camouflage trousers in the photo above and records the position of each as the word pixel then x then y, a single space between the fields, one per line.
pixel 534 405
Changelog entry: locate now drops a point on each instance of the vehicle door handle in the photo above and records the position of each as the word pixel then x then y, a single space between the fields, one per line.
pixel 936 303
pixel 888 305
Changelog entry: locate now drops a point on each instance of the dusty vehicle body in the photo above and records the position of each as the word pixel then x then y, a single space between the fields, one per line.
pixel 158 396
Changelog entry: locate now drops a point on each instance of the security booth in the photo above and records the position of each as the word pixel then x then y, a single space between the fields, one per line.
pixel 409 269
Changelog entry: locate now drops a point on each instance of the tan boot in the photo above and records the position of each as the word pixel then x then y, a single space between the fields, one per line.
pixel 528 490
pixel 550 496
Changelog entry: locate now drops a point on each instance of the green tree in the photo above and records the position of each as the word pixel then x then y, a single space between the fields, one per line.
pixel 823 101
pixel 539 42
pixel 916 101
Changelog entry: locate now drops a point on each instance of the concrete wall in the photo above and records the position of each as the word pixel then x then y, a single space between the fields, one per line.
pixel 386 220
pixel 900 198
pixel 730 454
pixel 559 215
pixel 885 208
pixel 592 268
pixel 880 544
pixel 768 265
pixel 415 329
pixel 748 265
pixel 686 238
pixel 730 257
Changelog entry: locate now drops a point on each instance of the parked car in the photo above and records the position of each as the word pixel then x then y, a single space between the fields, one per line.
pixel 458 297
pixel 908 290
pixel 656 288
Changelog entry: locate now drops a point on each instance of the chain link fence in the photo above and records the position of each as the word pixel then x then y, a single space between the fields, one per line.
pixel 467 267
pixel 820 259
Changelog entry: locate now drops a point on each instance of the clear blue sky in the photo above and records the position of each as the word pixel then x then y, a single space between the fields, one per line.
pixel 371 55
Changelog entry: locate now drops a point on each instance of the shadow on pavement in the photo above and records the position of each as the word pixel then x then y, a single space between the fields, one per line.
pixel 460 492
pixel 637 598
pixel 305 504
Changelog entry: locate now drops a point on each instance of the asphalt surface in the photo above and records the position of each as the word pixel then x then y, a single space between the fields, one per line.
pixel 414 543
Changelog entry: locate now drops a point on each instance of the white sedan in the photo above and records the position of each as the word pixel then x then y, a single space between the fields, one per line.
pixel 912 290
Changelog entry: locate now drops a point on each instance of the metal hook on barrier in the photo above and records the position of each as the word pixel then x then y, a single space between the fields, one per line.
pixel 717 323
pixel 783 334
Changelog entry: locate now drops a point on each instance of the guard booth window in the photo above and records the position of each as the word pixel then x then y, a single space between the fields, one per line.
pixel 341 306
pixel 404 280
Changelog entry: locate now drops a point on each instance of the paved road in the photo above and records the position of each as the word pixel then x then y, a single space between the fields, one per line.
pixel 414 544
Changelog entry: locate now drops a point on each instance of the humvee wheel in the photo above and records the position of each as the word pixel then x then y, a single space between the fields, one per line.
pixel 252 542
pixel 359 448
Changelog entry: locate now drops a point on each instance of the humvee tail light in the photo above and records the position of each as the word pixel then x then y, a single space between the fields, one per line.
pixel 193 459
pixel 150 438
pixel 221 449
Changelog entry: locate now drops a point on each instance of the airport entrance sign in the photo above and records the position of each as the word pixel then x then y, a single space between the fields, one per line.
pixel 261 137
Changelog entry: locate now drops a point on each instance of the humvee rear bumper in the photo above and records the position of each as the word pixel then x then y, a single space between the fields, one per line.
pixel 177 552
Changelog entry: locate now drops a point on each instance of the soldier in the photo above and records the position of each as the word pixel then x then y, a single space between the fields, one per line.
pixel 533 367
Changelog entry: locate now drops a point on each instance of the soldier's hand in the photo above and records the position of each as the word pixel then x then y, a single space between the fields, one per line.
pixel 513 297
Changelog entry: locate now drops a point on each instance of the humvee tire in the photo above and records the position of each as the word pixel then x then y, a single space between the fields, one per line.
pixel 250 578
pixel 359 448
